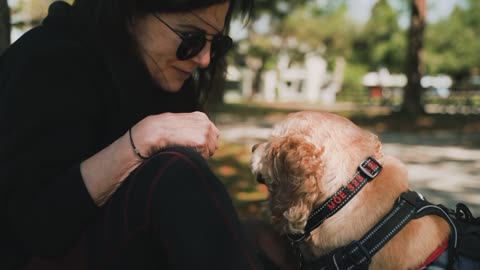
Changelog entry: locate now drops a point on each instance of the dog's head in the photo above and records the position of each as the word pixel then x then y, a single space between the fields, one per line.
pixel 308 157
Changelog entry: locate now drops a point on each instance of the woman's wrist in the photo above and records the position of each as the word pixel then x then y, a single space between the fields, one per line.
pixel 134 148
pixel 147 138
pixel 105 171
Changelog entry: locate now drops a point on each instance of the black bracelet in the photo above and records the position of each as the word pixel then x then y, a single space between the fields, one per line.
pixel 133 145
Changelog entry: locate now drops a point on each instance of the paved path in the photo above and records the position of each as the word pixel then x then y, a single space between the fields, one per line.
pixel 443 166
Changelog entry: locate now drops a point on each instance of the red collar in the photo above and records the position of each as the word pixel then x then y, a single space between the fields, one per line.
pixel 436 253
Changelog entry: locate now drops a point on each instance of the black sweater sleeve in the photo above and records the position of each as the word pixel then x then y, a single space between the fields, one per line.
pixel 48 113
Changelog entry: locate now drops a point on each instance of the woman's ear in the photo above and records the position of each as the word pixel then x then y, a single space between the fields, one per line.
pixel 296 168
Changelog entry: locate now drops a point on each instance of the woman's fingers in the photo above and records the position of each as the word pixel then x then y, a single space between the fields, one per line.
pixel 209 144
pixel 193 130
pixel 213 140
pixel 208 135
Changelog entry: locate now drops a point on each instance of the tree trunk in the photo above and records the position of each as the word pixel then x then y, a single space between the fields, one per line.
pixel 4 25
pixel 412 103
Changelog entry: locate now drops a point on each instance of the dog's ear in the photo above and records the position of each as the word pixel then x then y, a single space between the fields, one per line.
pixel 371 144
pixel 295 171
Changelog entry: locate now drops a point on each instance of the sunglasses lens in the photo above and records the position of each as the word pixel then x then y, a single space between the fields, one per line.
pixel 221 45
pixel 191 45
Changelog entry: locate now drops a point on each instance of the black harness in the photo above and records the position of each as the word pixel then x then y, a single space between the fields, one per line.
pixel 358 254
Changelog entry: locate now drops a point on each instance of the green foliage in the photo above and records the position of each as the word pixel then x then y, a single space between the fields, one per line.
pixel 452 44
pixel 321 29
pixel 471 17
pixel 353 90
pixel 382 43
pixel 326 30
pixel 279 9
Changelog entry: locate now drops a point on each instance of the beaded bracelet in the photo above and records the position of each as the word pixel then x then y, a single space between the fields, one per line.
pixel 133 145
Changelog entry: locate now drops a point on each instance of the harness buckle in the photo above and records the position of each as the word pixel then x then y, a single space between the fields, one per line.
pixel 295 238
pixel 370 167
pixel 363 259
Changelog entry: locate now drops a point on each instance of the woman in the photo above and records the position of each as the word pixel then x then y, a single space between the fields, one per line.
pixel 91 104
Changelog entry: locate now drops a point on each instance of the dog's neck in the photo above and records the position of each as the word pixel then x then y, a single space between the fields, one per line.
pixel 407 250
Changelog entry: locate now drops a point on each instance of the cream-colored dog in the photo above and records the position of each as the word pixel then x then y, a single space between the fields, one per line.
pixel 310 156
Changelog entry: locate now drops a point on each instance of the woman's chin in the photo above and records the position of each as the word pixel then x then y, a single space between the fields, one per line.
pixel 170 86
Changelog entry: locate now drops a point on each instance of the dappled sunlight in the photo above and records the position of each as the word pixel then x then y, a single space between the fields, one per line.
pixel 231 163
pixel 259 194
pixel 444 174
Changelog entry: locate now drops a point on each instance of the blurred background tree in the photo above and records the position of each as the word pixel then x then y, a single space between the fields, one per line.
pixel 21 15
pixel 35 10
pixel 452 44
pixel 4 25
pixel 323 30
pixel 382 42
pixel 412 104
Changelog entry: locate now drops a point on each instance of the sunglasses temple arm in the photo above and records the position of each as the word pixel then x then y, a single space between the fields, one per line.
pixel 173 30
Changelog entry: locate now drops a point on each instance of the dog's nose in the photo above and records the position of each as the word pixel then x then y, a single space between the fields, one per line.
pixel 254 147
pixel 260 179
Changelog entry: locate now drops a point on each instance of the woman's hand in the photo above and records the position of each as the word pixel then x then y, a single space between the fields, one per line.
pixel 104 171
pixel 193 130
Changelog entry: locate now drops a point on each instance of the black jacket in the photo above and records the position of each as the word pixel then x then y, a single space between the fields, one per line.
pixel 62 99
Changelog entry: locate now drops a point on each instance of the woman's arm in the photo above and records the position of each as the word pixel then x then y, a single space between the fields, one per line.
pixel 103 172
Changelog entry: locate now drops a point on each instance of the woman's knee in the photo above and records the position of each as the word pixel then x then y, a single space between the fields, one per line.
pixel 178 152
pixel 170 174
pixel 172 164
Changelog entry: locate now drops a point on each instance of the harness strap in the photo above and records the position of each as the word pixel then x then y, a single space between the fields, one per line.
pixel 357 255
pixel 426 208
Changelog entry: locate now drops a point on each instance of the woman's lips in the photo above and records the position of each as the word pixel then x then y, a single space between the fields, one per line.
pixel 183 73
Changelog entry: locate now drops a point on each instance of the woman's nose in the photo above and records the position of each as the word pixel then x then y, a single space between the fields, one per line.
pixel 203 57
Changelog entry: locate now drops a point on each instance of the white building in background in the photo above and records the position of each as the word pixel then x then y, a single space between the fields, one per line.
pixel 437 85
pixel 384 78
pixel 383 86
pixel 304 82
pixel 309 82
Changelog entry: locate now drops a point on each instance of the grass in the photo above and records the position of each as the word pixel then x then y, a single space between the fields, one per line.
pixel 231 165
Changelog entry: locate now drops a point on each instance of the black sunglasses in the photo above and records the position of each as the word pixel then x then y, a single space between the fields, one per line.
pixel 193 43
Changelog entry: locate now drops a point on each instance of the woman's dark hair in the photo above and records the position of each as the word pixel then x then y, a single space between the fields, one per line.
pixel 108 20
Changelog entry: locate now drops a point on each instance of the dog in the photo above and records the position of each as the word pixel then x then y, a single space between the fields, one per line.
pixel 308 160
